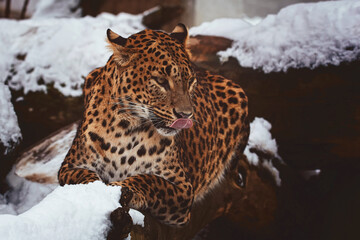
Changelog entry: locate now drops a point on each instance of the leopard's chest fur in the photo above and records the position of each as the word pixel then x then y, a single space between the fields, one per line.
pixel 135 149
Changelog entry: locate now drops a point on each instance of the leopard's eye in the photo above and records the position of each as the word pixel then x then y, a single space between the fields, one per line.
pixel 162 82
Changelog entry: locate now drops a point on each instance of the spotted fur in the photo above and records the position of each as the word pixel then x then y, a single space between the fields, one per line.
pixel 125 136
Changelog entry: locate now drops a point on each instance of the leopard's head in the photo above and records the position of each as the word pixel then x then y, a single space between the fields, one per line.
pixel 155 77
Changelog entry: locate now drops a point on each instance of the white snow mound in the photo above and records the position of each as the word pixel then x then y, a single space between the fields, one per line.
pixel 260 136
pixel 78 212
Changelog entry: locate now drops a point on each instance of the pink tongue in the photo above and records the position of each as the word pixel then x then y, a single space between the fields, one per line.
pixel 182 123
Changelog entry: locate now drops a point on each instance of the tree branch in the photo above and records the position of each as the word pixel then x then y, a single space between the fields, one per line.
pixel 7 8
pixel 24 8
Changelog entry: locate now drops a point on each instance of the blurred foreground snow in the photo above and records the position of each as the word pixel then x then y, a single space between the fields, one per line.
pixel 78 212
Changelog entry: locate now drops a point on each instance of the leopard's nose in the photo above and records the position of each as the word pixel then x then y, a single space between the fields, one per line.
pixel 181 114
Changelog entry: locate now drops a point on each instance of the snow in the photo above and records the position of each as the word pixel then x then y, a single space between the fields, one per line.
pixel 260 138
pixel 299 36
pixel 9 131
pixel 69 212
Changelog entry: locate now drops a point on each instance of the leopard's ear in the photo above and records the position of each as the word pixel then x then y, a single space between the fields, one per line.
pixel 180 33
pixel 115 38
pixel 122 54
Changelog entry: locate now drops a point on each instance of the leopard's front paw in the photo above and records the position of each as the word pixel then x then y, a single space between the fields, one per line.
pixel 121 224
pixel 130 199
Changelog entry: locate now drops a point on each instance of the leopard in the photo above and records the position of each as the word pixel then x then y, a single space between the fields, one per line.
pixel 158 126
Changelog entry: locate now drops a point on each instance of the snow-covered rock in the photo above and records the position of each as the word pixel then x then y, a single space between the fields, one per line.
pixel 299 36
pixel 78 212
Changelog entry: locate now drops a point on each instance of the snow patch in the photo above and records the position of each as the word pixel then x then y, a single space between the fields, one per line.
pixel 71 212
pixel 260 138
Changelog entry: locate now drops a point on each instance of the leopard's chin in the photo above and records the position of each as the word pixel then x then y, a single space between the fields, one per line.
pixel 167 131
